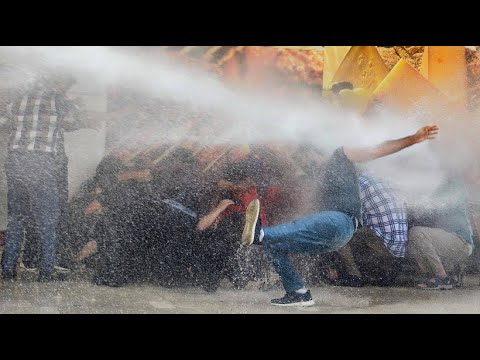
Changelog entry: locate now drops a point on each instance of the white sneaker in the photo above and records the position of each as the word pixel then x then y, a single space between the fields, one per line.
pixel 24 268
pixel 61 270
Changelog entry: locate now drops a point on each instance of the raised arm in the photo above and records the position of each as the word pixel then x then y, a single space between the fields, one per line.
pixel 206 221
pixel 359 155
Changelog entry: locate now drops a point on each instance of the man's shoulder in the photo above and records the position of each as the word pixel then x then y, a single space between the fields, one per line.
pixel 338 151
pixel 339 157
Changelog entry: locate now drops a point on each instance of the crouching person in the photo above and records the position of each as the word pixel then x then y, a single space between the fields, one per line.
pixel 376 252
pixel 441 239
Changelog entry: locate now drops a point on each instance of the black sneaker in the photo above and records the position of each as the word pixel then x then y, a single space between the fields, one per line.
pixel 251 232
pixel 294 299
pixel 457 278
pixel 439 283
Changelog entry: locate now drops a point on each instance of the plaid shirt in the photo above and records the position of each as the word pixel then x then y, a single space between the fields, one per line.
pixel 384 214
pixel 36 120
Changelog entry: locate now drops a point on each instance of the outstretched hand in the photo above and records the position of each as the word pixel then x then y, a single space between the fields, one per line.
pixel 358 155
pixel 426 133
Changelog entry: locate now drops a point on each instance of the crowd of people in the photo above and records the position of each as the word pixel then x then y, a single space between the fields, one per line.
pixel 185 214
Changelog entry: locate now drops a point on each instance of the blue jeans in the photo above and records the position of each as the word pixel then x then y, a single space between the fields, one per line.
pixel 32 190
pixel 320 233
pixel 31 250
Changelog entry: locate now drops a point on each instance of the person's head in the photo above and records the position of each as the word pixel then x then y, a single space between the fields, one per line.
pixel 182 166
pixel 58 78
pixel 308 155
pixel 63 81
pixel 339 86
pixel 183 156
pixel 236 172
pixel 238 153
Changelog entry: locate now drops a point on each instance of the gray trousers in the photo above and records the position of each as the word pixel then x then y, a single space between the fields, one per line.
pixel 436 251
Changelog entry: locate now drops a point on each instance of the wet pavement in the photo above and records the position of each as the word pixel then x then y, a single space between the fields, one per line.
pixel 81 297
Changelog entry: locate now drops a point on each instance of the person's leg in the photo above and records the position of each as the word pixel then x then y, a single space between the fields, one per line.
pixel 68 242
pixel 423 244
pixel 329 266
pixel 207 261
pixel 178 258
pixel 43 193
pixel 376 264
pixel 348 261
pixel 451 249
pixel 110 247
pixel 419 245
pixel 17 203
pixel 31 247
pixel 63 235
pixel 436 251
pixel 144 226
pixel 323 232
pixel 62 181
pixel 342 269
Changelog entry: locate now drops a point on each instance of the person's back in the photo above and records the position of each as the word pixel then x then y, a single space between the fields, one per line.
pixel 338 188
pixel 451 208
pixel 446 208
pixel 384 213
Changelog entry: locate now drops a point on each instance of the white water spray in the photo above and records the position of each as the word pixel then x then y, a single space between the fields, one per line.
pixel 247 117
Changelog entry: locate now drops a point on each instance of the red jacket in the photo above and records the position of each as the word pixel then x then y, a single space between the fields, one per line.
pixel 244 199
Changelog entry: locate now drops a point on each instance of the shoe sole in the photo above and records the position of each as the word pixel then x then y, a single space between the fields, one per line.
pixel 30 270
pixel 251 218
pixel 302 303
pixel 62 270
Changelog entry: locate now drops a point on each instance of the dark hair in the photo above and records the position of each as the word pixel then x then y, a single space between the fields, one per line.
pixel 183 156
pixel 337 87
pixel 236 172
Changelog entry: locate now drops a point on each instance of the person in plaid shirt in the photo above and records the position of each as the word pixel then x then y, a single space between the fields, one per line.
pixel 375 253
pixel 335 221
pixel 384 214
pixel 35 120
pixel 380 246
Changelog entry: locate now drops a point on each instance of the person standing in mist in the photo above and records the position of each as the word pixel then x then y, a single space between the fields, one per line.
pixel 441 238
pixel 75 118
pixel 337 219
pixel 35 121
